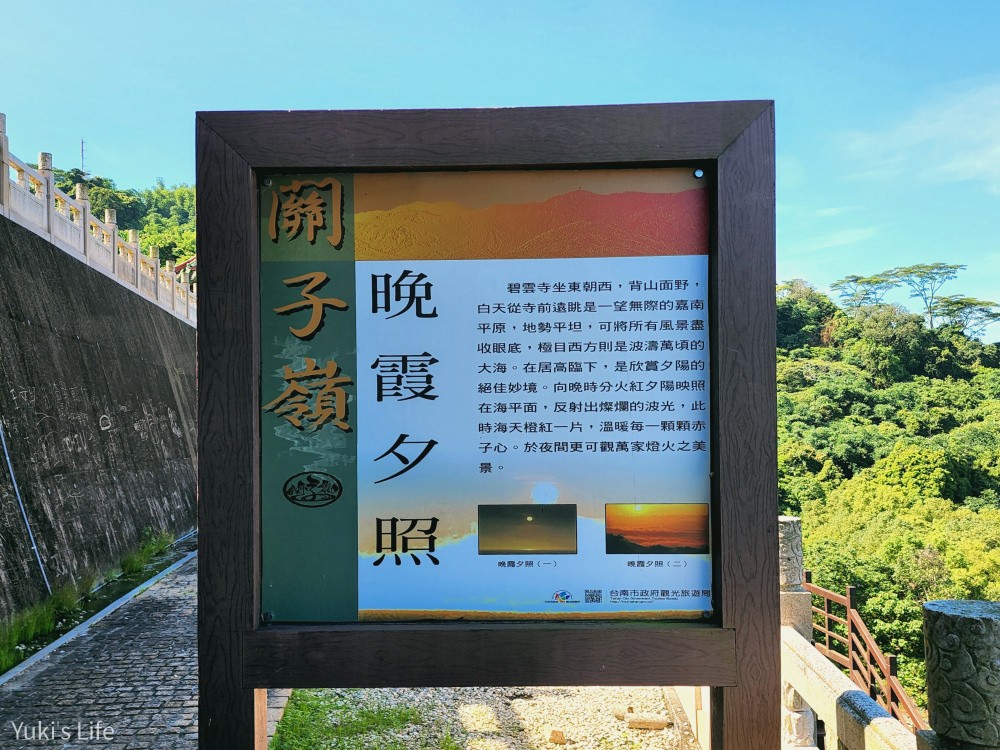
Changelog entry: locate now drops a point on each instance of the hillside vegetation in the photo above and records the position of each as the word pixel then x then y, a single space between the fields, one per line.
pixel 165 217
pixel 889 447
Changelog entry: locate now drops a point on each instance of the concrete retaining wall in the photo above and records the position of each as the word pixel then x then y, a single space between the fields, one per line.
pixel 97 396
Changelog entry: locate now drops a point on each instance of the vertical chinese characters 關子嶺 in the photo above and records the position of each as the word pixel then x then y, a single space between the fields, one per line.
pixel 314 395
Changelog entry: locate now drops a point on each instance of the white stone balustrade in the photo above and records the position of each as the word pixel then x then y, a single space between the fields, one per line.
pixel 813 687
pixel 30 198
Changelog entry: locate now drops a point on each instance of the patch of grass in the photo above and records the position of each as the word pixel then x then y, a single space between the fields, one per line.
pixel 133 563
pixel 17 633
pixel 66 599
pixel 154 543
pixel 375 720
pixel 316 719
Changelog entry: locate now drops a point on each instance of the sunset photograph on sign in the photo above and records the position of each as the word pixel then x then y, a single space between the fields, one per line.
pixel 659 529
pixel 527 528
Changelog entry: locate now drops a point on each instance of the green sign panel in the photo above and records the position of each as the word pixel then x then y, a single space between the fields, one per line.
pixel 309 477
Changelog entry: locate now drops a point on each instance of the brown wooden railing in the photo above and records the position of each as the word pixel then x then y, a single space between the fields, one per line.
pixel 846 641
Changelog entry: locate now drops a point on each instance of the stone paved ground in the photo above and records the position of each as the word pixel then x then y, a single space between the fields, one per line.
pixel 135 671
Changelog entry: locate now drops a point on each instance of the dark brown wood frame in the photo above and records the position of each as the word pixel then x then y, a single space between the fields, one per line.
pixel 737 653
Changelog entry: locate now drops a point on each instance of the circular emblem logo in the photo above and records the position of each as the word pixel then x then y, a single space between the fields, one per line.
pixel 562 596
pixel 312 489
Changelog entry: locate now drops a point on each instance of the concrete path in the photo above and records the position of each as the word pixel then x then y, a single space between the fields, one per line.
pixel 130 681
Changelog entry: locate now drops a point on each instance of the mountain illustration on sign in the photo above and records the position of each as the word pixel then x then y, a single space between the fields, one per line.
pixel 312 489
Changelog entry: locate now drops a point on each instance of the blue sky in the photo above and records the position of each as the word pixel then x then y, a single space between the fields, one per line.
pixel 888 113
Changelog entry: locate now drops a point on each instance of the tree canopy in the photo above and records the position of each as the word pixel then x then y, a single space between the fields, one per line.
pixel 889 448
pixel 164 217
pixel 925 281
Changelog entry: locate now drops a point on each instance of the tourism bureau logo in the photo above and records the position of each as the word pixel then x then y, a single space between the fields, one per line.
pixel 562 596
pixel 312 489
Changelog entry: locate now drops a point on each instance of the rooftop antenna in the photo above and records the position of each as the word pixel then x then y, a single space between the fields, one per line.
pixel 82 167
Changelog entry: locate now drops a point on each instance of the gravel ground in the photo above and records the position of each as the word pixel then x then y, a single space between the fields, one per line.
pixel 529 718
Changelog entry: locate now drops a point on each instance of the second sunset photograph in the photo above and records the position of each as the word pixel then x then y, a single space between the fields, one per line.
pixel 658 529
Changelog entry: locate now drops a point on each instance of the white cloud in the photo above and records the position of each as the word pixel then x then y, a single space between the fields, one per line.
pixel 956 138
pixel 799 245
pixel 839 238
pixel 824 213
pixel 808 213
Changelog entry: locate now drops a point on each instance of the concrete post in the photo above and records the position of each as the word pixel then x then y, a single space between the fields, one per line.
pixel 154 257
pixel 4 162
pixel 796 602
pixel 962 653
pixel 173 283
pixel 111 219
pixel 133 239
pixel 83 198
pixel 45 170
pixel 186 281
pixel 798 721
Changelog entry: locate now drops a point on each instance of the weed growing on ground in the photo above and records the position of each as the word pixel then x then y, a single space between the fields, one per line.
pixel 154 543
pixel 39 620
pixel 318 719
pixel 65 603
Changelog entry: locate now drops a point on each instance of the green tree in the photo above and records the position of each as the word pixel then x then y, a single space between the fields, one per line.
pixel 169 224
pixel 802 312
pixel 925 281
pixel 892 345
pixel 860 291
pixel 968 315
pixel 165 217
pixel 898 485
pixel 103 194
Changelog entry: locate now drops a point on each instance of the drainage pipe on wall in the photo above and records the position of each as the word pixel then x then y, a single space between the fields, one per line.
pixel 24 513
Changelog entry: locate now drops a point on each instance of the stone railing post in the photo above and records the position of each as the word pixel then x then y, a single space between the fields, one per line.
pixel 154 257
pixel 111 219
pixel 798 721
pixel 796 602
pixel 4 162
pixel 48 185
pixel 83 198
pixel 173 283
pixel 133 239
pixel 962 653
pixel 186 281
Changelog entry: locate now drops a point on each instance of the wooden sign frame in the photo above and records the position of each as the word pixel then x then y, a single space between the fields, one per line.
pixel 737 653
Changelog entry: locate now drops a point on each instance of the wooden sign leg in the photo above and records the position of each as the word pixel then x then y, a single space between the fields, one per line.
pixel 232 719
pixel 231 716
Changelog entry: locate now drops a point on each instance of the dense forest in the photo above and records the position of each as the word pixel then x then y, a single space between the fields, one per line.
pixel 889 446
pixel 165 217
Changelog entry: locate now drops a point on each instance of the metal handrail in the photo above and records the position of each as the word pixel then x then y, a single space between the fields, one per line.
pixel 847 641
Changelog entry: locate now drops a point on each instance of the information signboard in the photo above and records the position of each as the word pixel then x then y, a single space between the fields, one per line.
pixel 485 395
